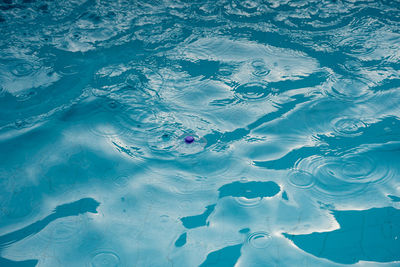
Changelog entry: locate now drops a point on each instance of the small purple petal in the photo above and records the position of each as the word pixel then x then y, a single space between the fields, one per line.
pixel 189 139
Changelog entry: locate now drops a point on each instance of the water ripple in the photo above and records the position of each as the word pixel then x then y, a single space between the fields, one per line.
pixel 62 231
pixel 345 176
pixel 301 179
pixel 348 126
pixel 259 240
pixel 252 91
pixel 105 259
pixel 249 202
pixel 293 107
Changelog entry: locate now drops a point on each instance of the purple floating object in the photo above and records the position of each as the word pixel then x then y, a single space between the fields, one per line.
pixel 189 139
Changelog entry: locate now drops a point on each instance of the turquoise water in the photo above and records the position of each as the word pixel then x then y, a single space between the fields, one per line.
pixel 293 105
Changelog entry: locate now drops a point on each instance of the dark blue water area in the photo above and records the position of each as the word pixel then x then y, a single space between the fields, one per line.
pixel 199 133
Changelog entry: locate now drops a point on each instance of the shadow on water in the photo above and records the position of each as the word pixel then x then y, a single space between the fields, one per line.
pixel 198 220
pixel 394 198
pixel 76 208
pixel 367 235
pixel 249 189
pixel 181 240
pixel 225 257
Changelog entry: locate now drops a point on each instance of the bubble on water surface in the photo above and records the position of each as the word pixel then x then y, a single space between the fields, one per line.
pixel 226 70
pixel 259 240
pixel 105 259
pixel 259 68
pixel 248 202
pixel 252 91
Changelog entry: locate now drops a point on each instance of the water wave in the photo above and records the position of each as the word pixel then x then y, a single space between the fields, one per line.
pixel 293 107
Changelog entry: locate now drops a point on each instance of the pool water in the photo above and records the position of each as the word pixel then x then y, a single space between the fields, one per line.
pixel 291 109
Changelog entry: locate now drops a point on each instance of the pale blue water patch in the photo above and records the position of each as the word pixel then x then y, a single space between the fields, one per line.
pixel 294 111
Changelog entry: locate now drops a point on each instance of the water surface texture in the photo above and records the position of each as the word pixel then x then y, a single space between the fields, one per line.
pixel 293 106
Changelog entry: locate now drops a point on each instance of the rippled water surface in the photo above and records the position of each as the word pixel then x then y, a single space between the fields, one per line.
pixel 293 106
